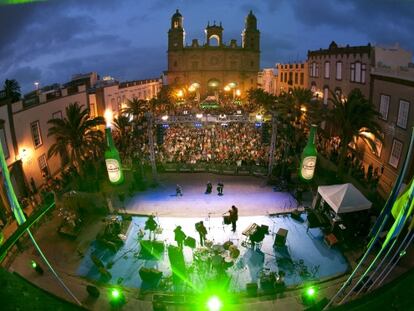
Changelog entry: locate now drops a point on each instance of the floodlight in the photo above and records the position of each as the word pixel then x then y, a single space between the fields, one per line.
pixel 214 304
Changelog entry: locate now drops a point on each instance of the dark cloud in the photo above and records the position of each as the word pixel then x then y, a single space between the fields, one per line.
pixel 50 41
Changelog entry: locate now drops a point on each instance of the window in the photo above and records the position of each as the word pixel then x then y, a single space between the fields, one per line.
pixel 358 72
pixel 43 165
pixel 296 78
pixel 290 81
pixel 57 115
pixel 286 77
pixel 403 110
pixel 113 104
pixel 395 153
pixel 314 72
pixel 281 77
pixel 325 95
pixel 36 135
pixel 302 78
pixel 92 110
pixel 327 70
pixel 4 142
pixel 383 108
pixel 338 70
pixel 378 144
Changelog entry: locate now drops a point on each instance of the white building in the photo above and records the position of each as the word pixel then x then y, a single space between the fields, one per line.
pixel 114 95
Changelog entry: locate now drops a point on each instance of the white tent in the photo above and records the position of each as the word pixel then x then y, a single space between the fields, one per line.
pixel 344 198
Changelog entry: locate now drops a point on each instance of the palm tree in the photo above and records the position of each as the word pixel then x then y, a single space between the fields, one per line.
pixel 121 124
pixel 136 108
pixel 12 89
pixel 262 99
pixel 353 118
pixel 76 136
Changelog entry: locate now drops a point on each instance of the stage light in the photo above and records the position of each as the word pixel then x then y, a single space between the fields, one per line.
pixel 116 297
pixel 115 294
pixel 214 304
pixel 36 267
pixel 309 295
pixel 164 118
pixel 199 115
pixel 310 292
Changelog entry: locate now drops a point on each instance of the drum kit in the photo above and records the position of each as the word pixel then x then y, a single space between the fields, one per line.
pixel 217 257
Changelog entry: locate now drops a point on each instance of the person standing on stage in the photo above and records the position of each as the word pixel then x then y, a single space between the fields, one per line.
pixel 202 231
pixel 178 191
pixel 220 187
pixel 179 236
pixel 234 216
pixel 209 188
pixel 151 225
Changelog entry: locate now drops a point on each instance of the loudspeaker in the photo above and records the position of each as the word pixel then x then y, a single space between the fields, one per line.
pixel 157 248
pixel 190 242
pixel 150 275
pixel 177 262
pixel 93 291
pixel 251 289
pixel 146 249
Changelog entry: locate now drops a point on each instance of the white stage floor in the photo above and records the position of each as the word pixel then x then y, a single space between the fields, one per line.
pixel 250 194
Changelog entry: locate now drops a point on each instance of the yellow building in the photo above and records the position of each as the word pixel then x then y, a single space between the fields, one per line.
pixel 213 67
pixel 292 75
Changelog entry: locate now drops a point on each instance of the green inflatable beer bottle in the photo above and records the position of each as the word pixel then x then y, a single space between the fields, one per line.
pixel 309 154
pixel 112 160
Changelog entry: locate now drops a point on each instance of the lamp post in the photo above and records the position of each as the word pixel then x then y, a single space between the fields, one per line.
pixel 272 145
pixel 149 118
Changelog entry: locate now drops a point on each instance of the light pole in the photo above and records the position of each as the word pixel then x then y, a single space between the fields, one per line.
pixel 272 145
pixel 149 118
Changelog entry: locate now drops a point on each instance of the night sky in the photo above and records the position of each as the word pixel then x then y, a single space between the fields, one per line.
pixel 127 39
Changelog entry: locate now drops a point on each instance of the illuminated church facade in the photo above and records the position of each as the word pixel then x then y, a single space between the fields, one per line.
pixel 214 67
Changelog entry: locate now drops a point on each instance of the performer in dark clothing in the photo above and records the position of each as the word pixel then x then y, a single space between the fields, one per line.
pixel 178 191
pixel 220 187
pixel 234 216
pixel 179 236
pixel 202 231
pixel 209 188
pixel 151 225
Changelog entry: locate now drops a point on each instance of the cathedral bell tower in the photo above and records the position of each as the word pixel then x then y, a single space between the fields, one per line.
pixel 251 35
pixel 214 32
pixel 176 33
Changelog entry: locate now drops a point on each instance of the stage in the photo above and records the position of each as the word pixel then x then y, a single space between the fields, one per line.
pixel 250 194
pixel 305 257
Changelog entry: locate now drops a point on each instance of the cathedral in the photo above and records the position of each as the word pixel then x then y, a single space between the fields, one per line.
pixel 213 67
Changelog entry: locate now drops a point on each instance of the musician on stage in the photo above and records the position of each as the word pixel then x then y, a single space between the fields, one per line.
pixel 178 191
pixel 209 188
pixel 179 236
pixel 220 187
pixel 151 225
pixel 202 231
pixel 234 216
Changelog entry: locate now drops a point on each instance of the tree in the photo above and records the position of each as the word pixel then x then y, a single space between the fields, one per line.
pixel 353 118
pixel 136 108
pixel 12 89
pixel 122 124
pixel 261 99
pixel 76 136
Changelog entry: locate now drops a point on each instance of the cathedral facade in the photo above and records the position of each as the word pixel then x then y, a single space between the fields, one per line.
pixel 214 67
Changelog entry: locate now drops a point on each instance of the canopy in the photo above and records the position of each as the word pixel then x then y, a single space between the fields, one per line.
pixel 344 198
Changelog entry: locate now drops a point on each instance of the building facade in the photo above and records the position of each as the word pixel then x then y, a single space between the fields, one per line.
pixel 267 80
pixel 340 69
pixel 213 65
pixel 110 94
pixel 392 92
pixel 31 116
pixel 292 75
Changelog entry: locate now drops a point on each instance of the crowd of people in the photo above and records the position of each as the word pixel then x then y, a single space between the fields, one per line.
pixel 233 143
